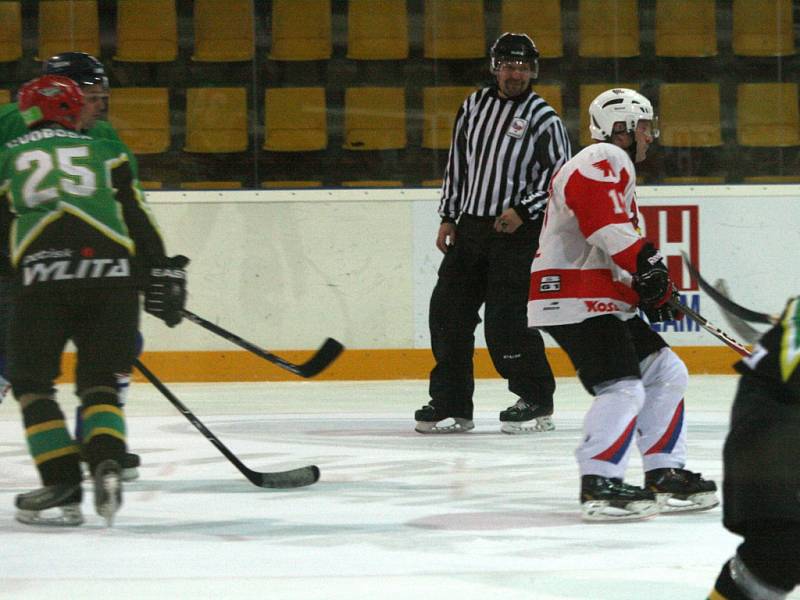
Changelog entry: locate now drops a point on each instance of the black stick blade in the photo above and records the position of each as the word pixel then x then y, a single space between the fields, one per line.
pixel 726 303
pixel 286 479
pixel 327 353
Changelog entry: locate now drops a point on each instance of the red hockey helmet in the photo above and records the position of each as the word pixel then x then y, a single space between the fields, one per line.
pixel 51 98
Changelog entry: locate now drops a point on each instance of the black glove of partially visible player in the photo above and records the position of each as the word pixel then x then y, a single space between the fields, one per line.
pixel 165 294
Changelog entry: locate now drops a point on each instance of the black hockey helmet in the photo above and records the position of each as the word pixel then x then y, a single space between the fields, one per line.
pixel 515 47
pixel 82 68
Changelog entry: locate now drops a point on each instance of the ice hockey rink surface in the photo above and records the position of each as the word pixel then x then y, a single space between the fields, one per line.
pixel 395 515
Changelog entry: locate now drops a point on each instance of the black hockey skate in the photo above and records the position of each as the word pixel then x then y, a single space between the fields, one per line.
pixel 428 418
pixel 527 417
pixel 608 499
pixel 130 466
pixel 64 499
pixel 680 490
pixel 108 489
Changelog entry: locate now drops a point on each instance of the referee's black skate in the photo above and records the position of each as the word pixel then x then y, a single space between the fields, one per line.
pixel 680 490
pixel 107 489
pixel 62 501
pixel 527 417
pixel 428 418
pixel 609 499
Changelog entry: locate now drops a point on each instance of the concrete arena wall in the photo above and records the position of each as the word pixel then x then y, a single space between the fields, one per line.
pixel 287 268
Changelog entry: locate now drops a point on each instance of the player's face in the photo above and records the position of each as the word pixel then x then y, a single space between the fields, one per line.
pixel 95 104
pixel 513 78
pixel 644 134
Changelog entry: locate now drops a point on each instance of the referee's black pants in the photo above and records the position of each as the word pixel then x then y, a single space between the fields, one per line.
pixel 486 267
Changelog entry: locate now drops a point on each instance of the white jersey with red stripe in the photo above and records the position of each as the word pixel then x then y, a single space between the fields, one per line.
pixel 589 241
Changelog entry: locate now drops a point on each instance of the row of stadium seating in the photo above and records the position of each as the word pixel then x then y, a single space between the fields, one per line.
pixel 375 118
pixel 224 31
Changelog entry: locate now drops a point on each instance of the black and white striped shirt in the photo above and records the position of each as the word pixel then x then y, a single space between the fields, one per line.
pixel 503 154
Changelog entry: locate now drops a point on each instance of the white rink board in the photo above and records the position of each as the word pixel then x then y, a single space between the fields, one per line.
pixel 292 267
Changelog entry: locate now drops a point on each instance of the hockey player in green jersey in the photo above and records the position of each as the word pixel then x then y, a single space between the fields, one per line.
pixel 761 487
pixel 90 75
pixel 81 243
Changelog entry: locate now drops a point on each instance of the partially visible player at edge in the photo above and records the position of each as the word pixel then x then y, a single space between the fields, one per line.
pixel 81 244
pixel 761 481
pixel 90 75
pixel 592 270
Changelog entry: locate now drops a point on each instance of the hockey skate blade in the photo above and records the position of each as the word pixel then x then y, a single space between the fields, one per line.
pixel 69 515
pixel 537 425
pixel 454 425
pixel 107 490
pixel 693 503
pixel 601 511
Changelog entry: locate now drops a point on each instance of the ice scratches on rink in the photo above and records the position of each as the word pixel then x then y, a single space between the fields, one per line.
pixel 396 515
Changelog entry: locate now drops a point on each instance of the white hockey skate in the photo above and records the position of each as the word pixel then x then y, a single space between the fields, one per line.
pixel 52 505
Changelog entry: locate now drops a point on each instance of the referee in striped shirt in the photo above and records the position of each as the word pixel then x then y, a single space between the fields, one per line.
pixel 507 144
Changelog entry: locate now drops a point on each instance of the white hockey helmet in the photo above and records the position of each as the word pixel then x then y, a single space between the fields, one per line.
pixel 619 105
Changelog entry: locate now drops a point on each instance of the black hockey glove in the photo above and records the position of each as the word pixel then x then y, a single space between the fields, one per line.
pixel 651 280
pixel 165 294
pixel 665 312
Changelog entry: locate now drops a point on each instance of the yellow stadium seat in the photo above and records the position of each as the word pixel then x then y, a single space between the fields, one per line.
pixel 10 31
pixel 211 185
pixel 763 28
pixel 68 25
pixel 223 31
pixel 147 31
pixel 552 95
pixel 150 185
pixel 690 115
pixel 686 30
pixel 439 107
pixel 374 118
pixel 295 119
pixel 141 116
pixel 773 179
pixel 301 30
pixel 432 183
pixel 608 28
pixel 767 114
pixel 699 180
pixel 454 29
pixel 373 183
pixel 588 92
pixel 542 23
pixel 290 184
pixel 377 29
pixel 216 120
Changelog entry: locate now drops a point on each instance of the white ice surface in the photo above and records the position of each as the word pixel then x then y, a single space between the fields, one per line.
pixel 396 515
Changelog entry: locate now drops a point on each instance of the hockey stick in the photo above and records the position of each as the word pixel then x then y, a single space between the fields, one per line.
pixel 724 301
pixel 740 327
pixel 283 479
pixel 323 357
pixel 709 327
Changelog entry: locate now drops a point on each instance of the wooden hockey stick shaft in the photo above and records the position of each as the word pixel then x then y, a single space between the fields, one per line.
pixel 321 359
pixel 710 327
pixel 281 479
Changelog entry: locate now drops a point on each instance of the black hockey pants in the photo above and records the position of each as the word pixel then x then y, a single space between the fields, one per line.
pixel 485 267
